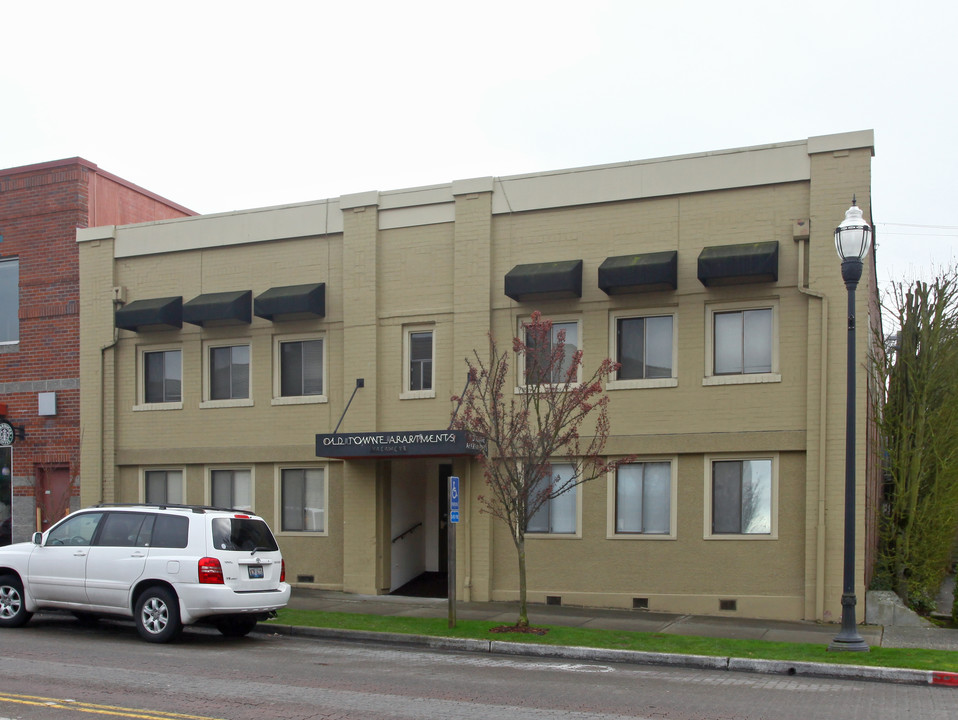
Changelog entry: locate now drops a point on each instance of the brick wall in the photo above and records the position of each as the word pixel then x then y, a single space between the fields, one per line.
pixel 41 207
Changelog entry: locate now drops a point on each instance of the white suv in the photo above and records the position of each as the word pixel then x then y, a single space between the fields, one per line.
pixel 163 565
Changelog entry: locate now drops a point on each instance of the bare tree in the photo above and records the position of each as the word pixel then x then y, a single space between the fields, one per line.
pixel 530 429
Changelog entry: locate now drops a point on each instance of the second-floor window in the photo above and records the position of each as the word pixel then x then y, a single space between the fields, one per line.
pixel 9 300
pixel 301 368
pixel 643 347
pixel 540 366
pixel 742 342
pixel 163 376
pixel 229 372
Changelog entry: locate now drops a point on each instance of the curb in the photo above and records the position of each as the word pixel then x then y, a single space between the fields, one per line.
pixel 901 676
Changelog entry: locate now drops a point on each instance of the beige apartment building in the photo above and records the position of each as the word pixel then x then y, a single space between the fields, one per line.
pixel 299 361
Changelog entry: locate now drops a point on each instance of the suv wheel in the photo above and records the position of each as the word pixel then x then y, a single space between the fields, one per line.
pixel 13 613
pixel 236 626
pixel 158 615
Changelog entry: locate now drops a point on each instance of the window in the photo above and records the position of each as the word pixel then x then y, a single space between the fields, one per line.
pixel 557 515
pixel 301 368
pixel 229 372
pixel 9 300
pixel 539 368
pixel 303 499
pixel 123 529
pixel 226 374
pixel 742 497
pixel 163 487
pixel 162 376
pixel 743 342
pixel 76 530
pixel 418 361
pixel 644 347
pixel 231 489
pixel 643 498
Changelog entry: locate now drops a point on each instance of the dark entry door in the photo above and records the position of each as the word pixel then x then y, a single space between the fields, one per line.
pixel 53 494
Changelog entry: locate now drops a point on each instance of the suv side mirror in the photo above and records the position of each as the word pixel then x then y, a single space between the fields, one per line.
pixel 38 538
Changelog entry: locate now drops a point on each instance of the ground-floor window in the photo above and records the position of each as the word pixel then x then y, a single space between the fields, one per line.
pixel 231 489
pixel 556 515
pixel 643 498
pixel 742 497
pixel 163 486
pixel 303 499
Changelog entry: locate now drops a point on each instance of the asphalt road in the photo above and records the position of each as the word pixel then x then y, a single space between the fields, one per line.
pixel 56 668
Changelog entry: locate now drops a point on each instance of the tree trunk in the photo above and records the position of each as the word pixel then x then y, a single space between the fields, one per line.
pixel 523 610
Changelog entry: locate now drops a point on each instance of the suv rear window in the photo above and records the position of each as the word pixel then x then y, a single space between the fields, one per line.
pixel 242 534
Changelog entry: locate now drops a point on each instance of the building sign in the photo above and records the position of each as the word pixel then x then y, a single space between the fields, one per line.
pixel 400 444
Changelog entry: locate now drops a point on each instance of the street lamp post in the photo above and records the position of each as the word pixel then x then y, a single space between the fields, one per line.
pixel 852 240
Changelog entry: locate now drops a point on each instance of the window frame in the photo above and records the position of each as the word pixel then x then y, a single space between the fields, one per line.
pixel 278 397
pixel 208 346
pixel 141 352
pixel 575 534
pixel 521 384
pixel 13 260
pixel 713 309
pixel 710 461
pixel 277 526
pixel 231 468
pixel 167 469
pixel 614 383
pixel 407 332
pixel 612 500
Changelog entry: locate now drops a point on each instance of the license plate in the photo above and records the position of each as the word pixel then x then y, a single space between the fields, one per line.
pixel 256 571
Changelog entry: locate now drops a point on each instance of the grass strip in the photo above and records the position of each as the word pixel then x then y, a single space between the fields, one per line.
pixel 912 658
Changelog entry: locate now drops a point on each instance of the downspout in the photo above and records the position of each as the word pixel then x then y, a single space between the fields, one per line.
pixel 820 525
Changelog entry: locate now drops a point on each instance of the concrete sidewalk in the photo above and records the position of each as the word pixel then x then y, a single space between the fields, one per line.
pixel 636 620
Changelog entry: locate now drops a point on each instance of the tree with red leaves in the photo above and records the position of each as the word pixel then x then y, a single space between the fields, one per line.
pixel 530 429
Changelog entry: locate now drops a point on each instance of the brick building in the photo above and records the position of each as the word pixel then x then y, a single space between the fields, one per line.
pixel 244 337
pixel 41 207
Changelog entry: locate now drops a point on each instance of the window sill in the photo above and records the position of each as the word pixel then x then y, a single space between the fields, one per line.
pixel 746 536
pixel 547 387
pixel 417 395
pixel 147 407
pixel 752 379
pixel 554 536
pixel 636 384
pixel 300 400
pixel 302 533
pixel 640 536
pixel 241 402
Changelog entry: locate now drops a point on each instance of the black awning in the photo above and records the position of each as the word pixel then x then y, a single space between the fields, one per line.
pixel 545 281
pixel 639 273
pixel 164 313
pixel 224 308
pixel 739 264
pixel 292 302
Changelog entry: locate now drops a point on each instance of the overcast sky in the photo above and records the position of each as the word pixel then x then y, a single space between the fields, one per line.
pixel 227 105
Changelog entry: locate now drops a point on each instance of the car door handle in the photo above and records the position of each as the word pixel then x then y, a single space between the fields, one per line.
pixel 79 553
pixel 138 554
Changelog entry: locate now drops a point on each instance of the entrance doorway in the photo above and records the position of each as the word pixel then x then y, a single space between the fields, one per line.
pixel 54 490
pixel 419 518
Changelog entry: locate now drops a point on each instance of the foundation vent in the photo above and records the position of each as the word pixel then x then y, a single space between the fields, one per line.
pixel 731 605
pixel 305 578
pixel 553 600
pixel 640 603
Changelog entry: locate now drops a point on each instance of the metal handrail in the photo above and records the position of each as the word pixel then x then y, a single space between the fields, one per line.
pixel 400 536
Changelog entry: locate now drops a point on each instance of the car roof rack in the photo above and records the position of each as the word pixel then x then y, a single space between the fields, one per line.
pixel 199 509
